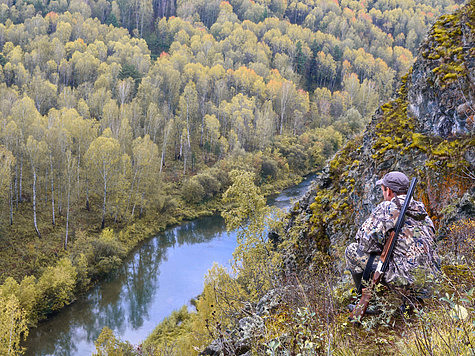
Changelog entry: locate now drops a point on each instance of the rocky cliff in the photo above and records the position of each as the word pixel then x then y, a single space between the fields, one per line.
pixel 426 132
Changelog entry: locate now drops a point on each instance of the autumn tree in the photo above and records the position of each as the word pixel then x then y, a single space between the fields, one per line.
pixel 103 159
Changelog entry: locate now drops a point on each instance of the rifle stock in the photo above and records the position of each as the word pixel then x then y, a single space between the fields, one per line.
pixel 362 305
pixel 366 295
pixel 360 309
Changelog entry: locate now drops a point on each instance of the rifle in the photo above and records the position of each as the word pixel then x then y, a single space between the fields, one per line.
pixel 386 255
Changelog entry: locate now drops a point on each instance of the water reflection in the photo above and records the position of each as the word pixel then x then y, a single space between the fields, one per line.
pixel 163 274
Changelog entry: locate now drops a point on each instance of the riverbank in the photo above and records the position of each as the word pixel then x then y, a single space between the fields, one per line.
pixel 91 255
pixel 159 276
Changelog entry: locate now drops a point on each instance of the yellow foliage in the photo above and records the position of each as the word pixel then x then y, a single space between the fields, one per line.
pixel 57 285
pixel 12 326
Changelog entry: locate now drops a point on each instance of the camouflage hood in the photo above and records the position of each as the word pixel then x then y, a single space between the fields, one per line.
pixel 416 210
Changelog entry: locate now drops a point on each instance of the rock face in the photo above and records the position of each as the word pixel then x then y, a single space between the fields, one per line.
pixel 426 131
pixel 237 342
pixel 440 98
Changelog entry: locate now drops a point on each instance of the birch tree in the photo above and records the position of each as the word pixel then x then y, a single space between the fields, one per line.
pixel 145 154
pixel 37 152
pixel 6 190
pixel 69 168
pixel 188 112
pixel 103 159
pixel 83 132
pixel 13 324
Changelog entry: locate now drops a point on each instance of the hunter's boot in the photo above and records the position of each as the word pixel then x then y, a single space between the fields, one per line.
pixel 357 277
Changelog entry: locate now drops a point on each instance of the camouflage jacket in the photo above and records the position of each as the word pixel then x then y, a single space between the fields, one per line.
pixel 415 247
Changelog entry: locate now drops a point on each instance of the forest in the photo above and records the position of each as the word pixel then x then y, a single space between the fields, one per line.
pixel 121 117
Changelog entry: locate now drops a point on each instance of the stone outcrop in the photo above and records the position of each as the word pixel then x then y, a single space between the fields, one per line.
pixel 238 341
pixel 440 99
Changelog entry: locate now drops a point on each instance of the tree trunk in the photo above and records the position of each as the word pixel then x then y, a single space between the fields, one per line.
pixel 202 123
pixel 79 160
pixel 21 175
pixel 88 207
pixel 34 203
pixel 187 139
pixel 16 185
pixel 132 186
pixel 141 207
pixel 137 14
pixel 164 147
pixel 141 22
pixel 184 164
pixel 60 200
pixel 104 204
pixel 11 202
pixel 67 211
pixel 180 155
pixel 46 185
pixel 52 188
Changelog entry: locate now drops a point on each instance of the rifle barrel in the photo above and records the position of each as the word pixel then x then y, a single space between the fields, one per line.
pixel 399 223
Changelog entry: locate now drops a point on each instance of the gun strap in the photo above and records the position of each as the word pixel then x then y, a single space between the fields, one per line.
pixel 367 271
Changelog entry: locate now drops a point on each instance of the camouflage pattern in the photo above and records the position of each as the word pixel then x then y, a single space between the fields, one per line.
pixel 415 248
pixel 356 259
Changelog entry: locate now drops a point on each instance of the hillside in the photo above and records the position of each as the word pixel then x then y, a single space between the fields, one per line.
pixel 427 132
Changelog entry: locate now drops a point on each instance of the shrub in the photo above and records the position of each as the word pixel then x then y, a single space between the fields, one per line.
pixel 269 169
pixel 221 176
pixel 171 334
pixel 209 183
pixel 107 253
pixel 56 286
pixel 193 191
pixel 81 265
pixel 26 293
pixel 107 344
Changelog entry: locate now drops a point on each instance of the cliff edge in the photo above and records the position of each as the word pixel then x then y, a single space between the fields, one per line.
pixel 425 131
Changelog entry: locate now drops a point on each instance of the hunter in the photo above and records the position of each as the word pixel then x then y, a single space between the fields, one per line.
pixel 415 247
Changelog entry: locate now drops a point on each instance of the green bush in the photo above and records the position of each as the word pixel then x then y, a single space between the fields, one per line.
pixel 192 191
pixel 56 286
pixel 221 176
pixel 81 265
pixel 209 183
pixel 269 169
pixel 107 345
pixel 26 293
pixel 107 252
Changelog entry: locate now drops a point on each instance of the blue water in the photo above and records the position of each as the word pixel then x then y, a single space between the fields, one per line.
pixel 162 275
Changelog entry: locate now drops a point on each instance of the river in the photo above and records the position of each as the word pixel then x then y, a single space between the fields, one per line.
pixel 161 275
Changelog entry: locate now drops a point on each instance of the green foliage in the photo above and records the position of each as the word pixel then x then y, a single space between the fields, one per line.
pixel 108 345
pixel 171 334
pixel 193 191
pixel 13 326
pixel 56 286
pixel 107 252
pixel 210 184
pixel 269 169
